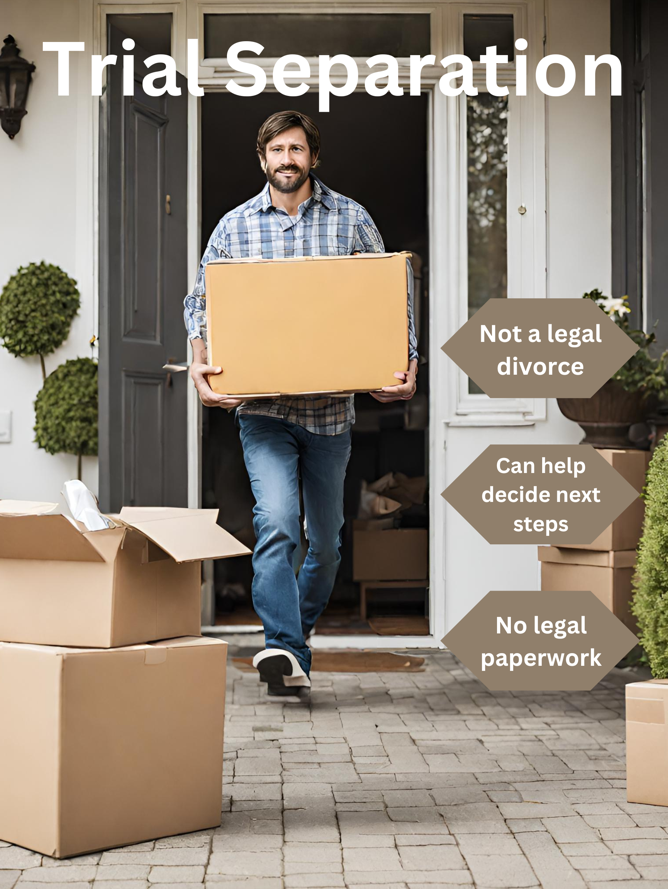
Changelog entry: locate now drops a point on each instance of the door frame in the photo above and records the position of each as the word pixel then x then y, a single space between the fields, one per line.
pixel 213 75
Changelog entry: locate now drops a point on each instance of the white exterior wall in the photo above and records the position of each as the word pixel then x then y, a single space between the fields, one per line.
pixel 47 191
pixel 578 259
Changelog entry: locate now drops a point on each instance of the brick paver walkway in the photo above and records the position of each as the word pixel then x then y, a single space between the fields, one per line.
pixel 405 781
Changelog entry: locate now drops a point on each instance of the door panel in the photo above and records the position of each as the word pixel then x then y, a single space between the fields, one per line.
pixel 143 279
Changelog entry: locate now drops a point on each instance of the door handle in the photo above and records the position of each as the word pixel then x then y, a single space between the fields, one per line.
pixel 168 205
pixel 171 367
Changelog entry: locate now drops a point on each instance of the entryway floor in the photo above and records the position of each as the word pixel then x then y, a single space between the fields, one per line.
pixel 405 781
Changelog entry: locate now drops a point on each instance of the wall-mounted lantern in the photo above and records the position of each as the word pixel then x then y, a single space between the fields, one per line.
pixel 15 77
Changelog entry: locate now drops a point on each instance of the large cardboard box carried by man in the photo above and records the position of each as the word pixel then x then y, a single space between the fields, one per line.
pixel 134 582
pixel 107 747
pixel 308 324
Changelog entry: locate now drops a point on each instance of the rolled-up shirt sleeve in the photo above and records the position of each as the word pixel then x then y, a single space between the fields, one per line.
pixel 194 313
pixel 368 240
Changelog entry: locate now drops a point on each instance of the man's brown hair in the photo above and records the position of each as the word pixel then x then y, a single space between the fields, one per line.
pixel 286 120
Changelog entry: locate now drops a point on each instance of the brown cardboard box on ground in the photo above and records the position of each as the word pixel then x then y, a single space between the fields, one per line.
pixel 305 325
pixel 624 533
pixel 397 554
pixel 136 582
pixel 108 747
pixel 647 742
pixel 607 574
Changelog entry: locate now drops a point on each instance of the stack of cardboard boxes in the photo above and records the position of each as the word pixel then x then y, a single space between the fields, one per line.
pixel 606 565
pixel 112 702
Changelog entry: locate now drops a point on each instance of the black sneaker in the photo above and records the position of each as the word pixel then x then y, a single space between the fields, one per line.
pixel 282 673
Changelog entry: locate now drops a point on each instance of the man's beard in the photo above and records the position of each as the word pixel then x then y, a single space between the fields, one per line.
pixel 287 187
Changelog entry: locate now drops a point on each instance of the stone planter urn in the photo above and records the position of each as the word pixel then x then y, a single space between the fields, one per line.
pixel 606 417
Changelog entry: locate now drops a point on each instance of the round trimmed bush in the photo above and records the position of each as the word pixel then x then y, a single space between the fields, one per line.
pixel 66 410
pixel 650 603
pixel 37 307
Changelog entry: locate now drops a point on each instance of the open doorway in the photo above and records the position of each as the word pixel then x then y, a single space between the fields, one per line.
pixel 374 150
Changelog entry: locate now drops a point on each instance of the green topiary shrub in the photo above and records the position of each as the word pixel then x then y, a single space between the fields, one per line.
pixel 37 307
pixel 66 410
pixel 650 603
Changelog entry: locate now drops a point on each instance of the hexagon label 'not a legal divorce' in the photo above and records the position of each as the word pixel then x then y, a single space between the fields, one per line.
pixel 540 348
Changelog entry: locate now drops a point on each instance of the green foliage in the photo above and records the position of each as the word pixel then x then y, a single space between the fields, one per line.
pixel 643 372
pixel 650 603
pixel 66 409
pixel 37 307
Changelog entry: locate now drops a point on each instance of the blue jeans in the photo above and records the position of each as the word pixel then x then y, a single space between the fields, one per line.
pixel 276 453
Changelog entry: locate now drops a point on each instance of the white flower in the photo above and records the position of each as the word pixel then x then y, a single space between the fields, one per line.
pixel 613 306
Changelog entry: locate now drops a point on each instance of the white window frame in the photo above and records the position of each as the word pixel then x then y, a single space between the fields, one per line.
pixel 527 274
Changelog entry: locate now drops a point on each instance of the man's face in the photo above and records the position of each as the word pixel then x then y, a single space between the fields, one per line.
pixel 287 160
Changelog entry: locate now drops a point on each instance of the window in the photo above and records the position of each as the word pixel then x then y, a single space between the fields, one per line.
pixel 481 31
pixel 311 34
pixel 487 183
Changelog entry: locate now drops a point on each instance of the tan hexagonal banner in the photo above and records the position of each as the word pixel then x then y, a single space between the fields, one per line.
pixel 540 641
pixel 554 494
pixel 540 348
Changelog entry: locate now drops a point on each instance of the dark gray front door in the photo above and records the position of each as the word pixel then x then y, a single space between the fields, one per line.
pixel 143 279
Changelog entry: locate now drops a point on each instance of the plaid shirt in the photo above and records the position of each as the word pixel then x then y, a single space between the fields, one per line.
pixel 326 224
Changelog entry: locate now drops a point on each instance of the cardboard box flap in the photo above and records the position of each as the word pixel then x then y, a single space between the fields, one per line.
pixel 187 535
pixel 26 507
pixel 45 538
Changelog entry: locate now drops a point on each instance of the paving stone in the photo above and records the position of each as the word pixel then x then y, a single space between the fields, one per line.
pixel 639 847
pixel 572 829
pixel 549 864
pixel 377 841
pixel 74 874
pixel 8 878
pixel 162 874
pixel 371 860
pixel 488 844
pixel 252 883
pixel 313 881
pixel 251 864
pixel 524 825
pixel 439 858
pixel 424 840
pixel 501 871
pixel 307 824
pixel 120 884
pixel 174 885
pixel 122 872
pixel 16 858
pixel 406 798
pixel 30 884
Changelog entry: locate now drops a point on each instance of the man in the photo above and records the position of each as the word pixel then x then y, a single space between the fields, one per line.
pixel 287 438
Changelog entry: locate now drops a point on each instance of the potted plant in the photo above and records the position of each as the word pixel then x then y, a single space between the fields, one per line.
pixel 66 410
pixel 37 307
pixel 651 577
pixel 630 395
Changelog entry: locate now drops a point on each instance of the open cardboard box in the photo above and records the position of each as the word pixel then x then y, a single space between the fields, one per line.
pixel 135 582
pixel 307 325
pixel 103 748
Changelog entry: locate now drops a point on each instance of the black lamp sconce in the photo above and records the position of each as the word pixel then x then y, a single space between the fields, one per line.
pixel 15 77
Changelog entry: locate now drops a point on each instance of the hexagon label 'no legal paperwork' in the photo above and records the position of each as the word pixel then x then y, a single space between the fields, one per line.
pixel 540 348
pixel 555 494
pixel 540 641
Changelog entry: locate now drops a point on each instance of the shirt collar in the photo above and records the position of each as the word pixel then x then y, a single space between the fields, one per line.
pixel 322 194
